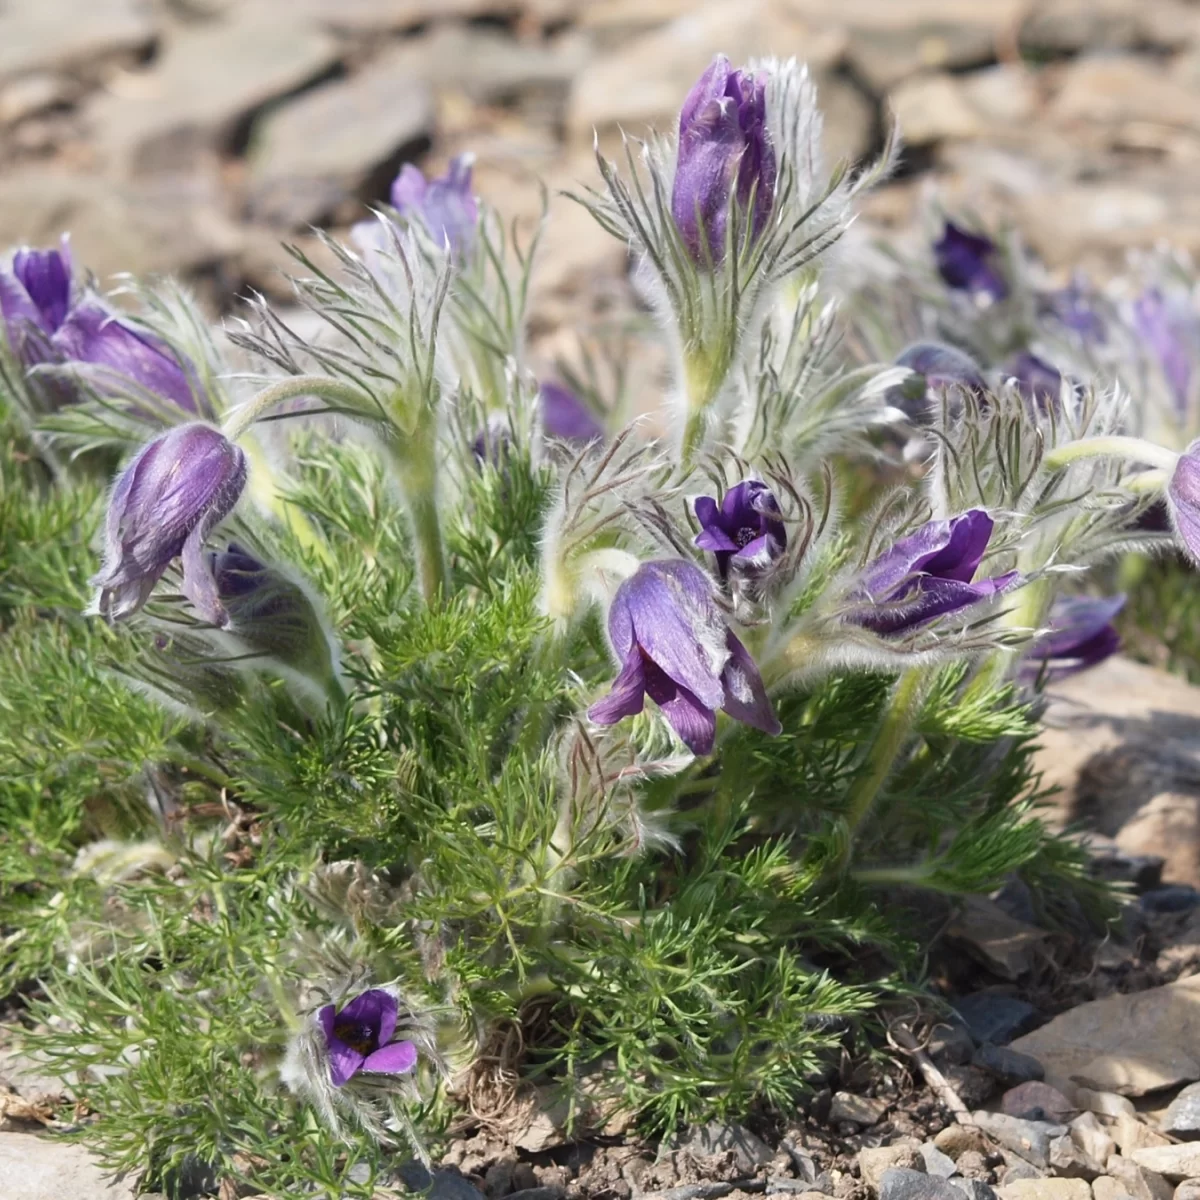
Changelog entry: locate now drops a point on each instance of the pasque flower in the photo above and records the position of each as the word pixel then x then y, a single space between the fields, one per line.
pixel 565 416
pixel 1183 499
pixel 445 206
pixel 675 647
pixel 1081 634
pixel 935 366
pixel 725 152
pixel 1171 331
pixel 163 506
pixel 50 321
pixel 1037 380
pixel 966 262
pixel 745 532
pixel 359 1036
pixel 928 574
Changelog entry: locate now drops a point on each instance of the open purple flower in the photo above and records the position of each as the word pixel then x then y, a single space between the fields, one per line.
pixel 966 262
pixel 1183 500
pixel 745 532
pixel 163 506
pixel 935 367
pixel 724 151
pixel 1081 635
pixel 675 647
pixel 929 574
pixel 359 1038
pixel 48 323
pixel 565 416
pixel 445 206
pixel 1171 331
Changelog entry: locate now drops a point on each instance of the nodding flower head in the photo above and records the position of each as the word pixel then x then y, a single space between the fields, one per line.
pixel 966 261
pixel 1170 329
pixel 1183 500
pixel 50 321
pixel 566 417
pixel 927 575
pixel 725 154
pixel 358 1037
pixel 675 647
pixel 934 367
pixel 1081 634
pixel 445 206
pixel 163 506
pixel 1038 381
pixel 746 532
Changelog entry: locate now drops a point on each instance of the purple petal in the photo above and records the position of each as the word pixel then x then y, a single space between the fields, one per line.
pixel 369 1009
pixel 46 277
pixel 1183 499
pixel 626 698
pixel 746 698
pixel 1172 332
pixel 199 585
pixel 565 416
pixel 693 722
pixel 397 1059
pixel 716 540
pixel 708 88
pixel 325 1019
pixel 1081 635
pixel 445 206
pixel 960 557
pixel 408 190
pixel 964 261
pixel 344 1062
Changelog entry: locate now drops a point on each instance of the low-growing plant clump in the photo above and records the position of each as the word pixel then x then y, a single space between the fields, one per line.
pixel 391 705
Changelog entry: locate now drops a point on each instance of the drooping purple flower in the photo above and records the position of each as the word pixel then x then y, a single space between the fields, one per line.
pixel 724 151
pixel 1183 500
pixel 928 574
pixel 1081 634
pixel 48 323
pixel 935 367
pixel 565 416
pixel 966 261
pixel 1171 331
pixel 163 506
pixel 675 647
pixel 445 206
pixel 359 1036
pixel 1037 380
pixel 745 532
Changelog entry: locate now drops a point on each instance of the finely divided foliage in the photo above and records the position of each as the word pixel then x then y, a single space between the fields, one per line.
pixel 421 712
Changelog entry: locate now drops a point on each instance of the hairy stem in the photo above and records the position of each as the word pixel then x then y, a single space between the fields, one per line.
pixel 238 420
pixel 416 460
pixel 1134 449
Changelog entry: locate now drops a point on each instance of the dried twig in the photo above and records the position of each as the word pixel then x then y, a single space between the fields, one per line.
pixel 901 1036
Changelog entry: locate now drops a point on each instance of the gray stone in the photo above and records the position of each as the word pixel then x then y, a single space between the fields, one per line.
pixel 974 1189
pixel 875 1161
pixel 901 1183
pixel 951 1042
pixel 974 1085
pixel 1182 1118
pixel 1108 90
pixel 385 16
pixel 956 1140
pixel 1105 1104
pixel 1046 1189
pixel 933 108
pixel 1018 1170
pixel 1030 1139
pixel 937 1163
pixel 994 1017
pixel 1092 1138
pixel 549 1192
pixel 65 35
pixel 1105 1187
pixel 1035 1101
pixel 861 1110
pixel 1139 1182
pixel 443 1184
pixel 38 1168
pixel 336 142
pixel 1070 1161
pixel 1131 1044
pixel 1004 945
pixel 1008 1065
pixel 718 1137
pixel 1132 1133
pixel 1174 1162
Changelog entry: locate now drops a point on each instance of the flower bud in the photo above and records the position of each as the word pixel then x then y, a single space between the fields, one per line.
pixel 746 532
pixel 965 261
pixel 934 366
pixel 725 151
pixel 566 417
pixel 163 506
pixel 1081 635
pixel 1038 381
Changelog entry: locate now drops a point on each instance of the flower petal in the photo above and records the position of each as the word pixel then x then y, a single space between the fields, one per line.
pixel 368 1008
pixel 1183 498
pixel 746 697
pixel 626 698
pixel 695 724
pixel 344 1061
pixel 398 1058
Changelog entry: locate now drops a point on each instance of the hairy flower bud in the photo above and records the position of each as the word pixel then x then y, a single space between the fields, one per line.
pixel 566 417
pixel 1081 635
pixel 1037 380
pixel 725 151
pixel 675 647
pixel 163 506
pixel 445 206
pixel 965 261
pixel 934 366
pixel 745 532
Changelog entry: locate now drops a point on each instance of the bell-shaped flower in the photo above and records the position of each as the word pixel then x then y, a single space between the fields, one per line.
pixel 566 417
pixel 1170 330
pixel 966 261
pixel 359 1037
pixel 1081 634
pixel 163 506
pixel 725 154
pixel 675 647
pixel 445 206
pixel 1038 381
pixel 929 574
pixel 1183 500
pixel 48 320
pixel 935 367
pixel 746 532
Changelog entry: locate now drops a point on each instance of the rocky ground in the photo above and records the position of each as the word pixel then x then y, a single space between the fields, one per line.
pixel 192 136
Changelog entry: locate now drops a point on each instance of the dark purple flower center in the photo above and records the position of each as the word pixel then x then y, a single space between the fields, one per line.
pixel 358 1035
pixel 746 535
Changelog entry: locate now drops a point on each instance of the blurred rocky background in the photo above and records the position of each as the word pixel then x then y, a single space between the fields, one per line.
pixel 193 135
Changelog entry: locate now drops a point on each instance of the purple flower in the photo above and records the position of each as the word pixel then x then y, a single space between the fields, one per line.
pixel 1072 305
pixel 1183 499
pixel 163 506
pixel 746 532
pixel 964 261
pixel 565 416
pixel 674 646
pixel 359 1038
pixel 1171 331
pixel 926 575
pixel 1037 380
pixel 1081 635
pixel 445 206
pixel 934 367
pixel 724 150
pixel 47 324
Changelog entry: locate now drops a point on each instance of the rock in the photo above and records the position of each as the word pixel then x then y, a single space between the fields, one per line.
pixel 956 1140
pixel 974 1085
pixel 1182 1118
pixel 1104 1187
pixel 1019 1170
pixel 717 1137
pixel 1138 1181
pixel 210 79
pixel 974 1189
pixel 1189 1189
pixel 1131 1044
pixel 36 1168
pixel 65 35
pixel 1045 1189
pixel 1070 26
pixel 1174 1162
pixel 1174 898
pixel 1034 1101
pixel 935 108
pixel 1131 1133
pixel 1068 1160
pixel 901 1183
pixel 336 142
pixel 1004 945
pixel 1106 1104
pixel 443 1184
pixel 1029 1139
pixel 1008 1065
pixel 993 1017
pixel 29 94
pixel 937 1162
pixel 386 16
pixel 1110 862
pixel 1111 89
pixel 950 1042
pixel 1006 94
pixel 1092 1138
pixel 861 1110
pixel 875 1161
pixel 552 1192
